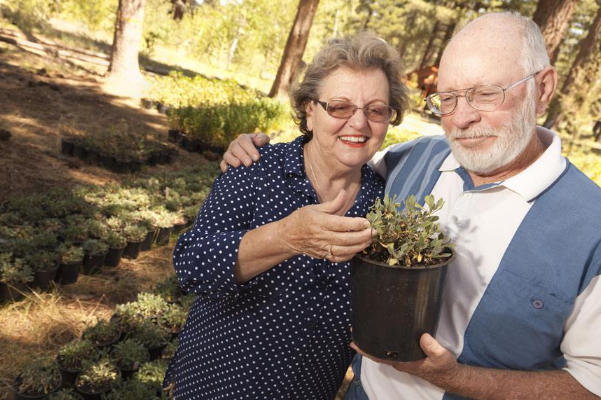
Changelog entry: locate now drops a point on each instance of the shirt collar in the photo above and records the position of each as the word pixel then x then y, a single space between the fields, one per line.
pixel 294 159
pixel 532 181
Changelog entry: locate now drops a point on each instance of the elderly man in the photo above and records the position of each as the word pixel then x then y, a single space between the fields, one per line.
pixel 521 313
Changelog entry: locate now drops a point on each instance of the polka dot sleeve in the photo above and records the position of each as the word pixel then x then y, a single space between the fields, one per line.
pixel 205 256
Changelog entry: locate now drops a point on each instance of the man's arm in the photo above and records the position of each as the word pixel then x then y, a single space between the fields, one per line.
pixel 243 150
pixel 441 369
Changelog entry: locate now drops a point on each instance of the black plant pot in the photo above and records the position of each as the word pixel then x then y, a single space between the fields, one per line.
pixel 132 250
pixel 113 257
pixel 135 166
pixel 41 396
pixel 392 307
pixel 9 292
pixel 174 135
pixel 92 157
pixel 171 156
pixel 120 166
pixel 80 152
pixel 68 376
pixel 147 243
pixel 163 236
pixel 147 104
pixel 178 228
pixel 68 273
pixel 106 161
pixel 42 278
pixel 67 146
pixel 92 265
pixel 156 352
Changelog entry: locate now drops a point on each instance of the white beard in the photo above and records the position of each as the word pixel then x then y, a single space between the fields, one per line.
pixel 510 143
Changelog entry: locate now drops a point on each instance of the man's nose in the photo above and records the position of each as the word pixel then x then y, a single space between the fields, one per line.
pixel 464 114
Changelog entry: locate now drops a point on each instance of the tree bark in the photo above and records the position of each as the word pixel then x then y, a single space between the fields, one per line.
pixel 124 69
pixel 291 63
pixel 428 52
pixel 553 17
pixel 583 71
pixel 447 36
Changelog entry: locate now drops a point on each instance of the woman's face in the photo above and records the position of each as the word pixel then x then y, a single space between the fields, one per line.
pixel 353 141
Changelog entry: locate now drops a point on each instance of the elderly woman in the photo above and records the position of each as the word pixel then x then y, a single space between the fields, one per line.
pixel 268 252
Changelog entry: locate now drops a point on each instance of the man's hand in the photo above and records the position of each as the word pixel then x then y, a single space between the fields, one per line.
pixel 439 367
pixel 243 150
pixel 321 231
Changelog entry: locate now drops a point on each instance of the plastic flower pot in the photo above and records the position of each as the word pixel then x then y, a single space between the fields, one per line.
pixel 393 306
pixel 163 236
pixel 92 157
pixel 92 265
pixel 68 273
pixel 147 243
pixel 132 250
pixel 178 228
pixel 67 146
pixel 173 135
pixel 68 376
pixel 80 152
pixel 106 161
pixel 120 166
pixel 88 394
pixel 33 396
pixel 9 292
pixel 113 257
pixel 147 104
pixel 156 352
pixel 42 278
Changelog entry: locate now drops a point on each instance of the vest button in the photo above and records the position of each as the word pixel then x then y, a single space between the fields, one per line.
pixel 538 304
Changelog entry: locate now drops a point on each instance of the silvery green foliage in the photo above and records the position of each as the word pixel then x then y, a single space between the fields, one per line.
pixel 409 237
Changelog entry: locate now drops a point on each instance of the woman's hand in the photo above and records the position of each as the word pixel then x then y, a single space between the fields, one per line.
pixel 321 231
pixel 243 150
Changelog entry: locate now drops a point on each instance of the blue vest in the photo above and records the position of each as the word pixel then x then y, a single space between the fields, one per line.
pixel 553 256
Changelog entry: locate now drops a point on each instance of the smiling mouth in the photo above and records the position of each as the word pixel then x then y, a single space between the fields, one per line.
pixel 353 139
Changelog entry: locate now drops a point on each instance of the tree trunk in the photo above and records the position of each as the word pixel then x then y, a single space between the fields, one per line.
pixel 295 47
pixel 553 17
pixel 124 69
pixel 584 69
pixel 428 53
pixel 447 36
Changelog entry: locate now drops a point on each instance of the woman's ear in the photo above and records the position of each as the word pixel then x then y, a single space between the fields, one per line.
pixel 547 84
pixel 309 110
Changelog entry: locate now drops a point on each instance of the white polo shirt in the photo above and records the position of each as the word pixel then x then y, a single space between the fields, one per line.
pixel 481 222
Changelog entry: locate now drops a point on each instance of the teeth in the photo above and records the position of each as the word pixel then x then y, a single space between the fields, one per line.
pixel 354 139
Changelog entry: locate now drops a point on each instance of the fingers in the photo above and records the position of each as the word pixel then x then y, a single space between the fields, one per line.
pixel 431 347
pixel 240 153
pixel 223 165
pixel 336 206
pixel 261 139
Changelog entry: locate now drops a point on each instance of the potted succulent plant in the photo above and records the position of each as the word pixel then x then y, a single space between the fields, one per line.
pixel 65 394
pixel 95 253
pixel 127 319
pixel 397 282
pixel 153 373
pixel 37 380
pixel 103 334
pixel 97 378
pixel 170 350
pixel 153 336
pixel 96 229
pixel 14 276
pixel 44 265
pixel 70 261
pixel 116 243
pixel 128 355
pixel 75 232
pixel 134 235
pixel 132 390
pixel 164 221
pixel 169 290
pixel 72 357
pixel 173 318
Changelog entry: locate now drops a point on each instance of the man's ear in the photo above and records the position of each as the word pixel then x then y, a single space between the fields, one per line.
pixel 309 110
pixel 546 85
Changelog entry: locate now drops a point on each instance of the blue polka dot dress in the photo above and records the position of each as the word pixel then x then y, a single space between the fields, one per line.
pixel 285 334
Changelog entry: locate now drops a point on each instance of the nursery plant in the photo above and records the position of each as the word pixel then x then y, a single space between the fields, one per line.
pixel 65 394
pixel 131 390
pixel 38 379
pixel 128 355
pixel 102 334
pixel 173 318
pixel 153 336
pixel 397 282
pixel 72 358
pixel 152 373
pixel 70 254
pixel 98 377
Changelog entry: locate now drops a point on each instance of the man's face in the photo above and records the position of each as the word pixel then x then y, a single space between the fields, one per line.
pixel 484 142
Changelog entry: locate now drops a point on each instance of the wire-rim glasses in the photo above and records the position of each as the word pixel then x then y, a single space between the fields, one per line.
pixel 342 109
pixel 481 97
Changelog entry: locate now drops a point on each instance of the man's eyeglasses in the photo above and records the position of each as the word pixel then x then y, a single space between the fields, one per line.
pixel 343 110
pixel 481 97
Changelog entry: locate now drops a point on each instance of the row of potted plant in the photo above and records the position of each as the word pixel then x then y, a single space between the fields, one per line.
pixel 124 358
pixel 119 148
pixel 55 235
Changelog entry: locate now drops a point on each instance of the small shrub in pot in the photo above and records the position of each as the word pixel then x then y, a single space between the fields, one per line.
pixel 70 259
pixel 97 378
pixel 73 356
pixel 103 334
pixel 128 355
pixel 95 253
pixel 37 380
pixel 153 336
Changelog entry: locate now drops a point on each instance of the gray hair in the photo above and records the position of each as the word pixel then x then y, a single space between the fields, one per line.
pixel 361 52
